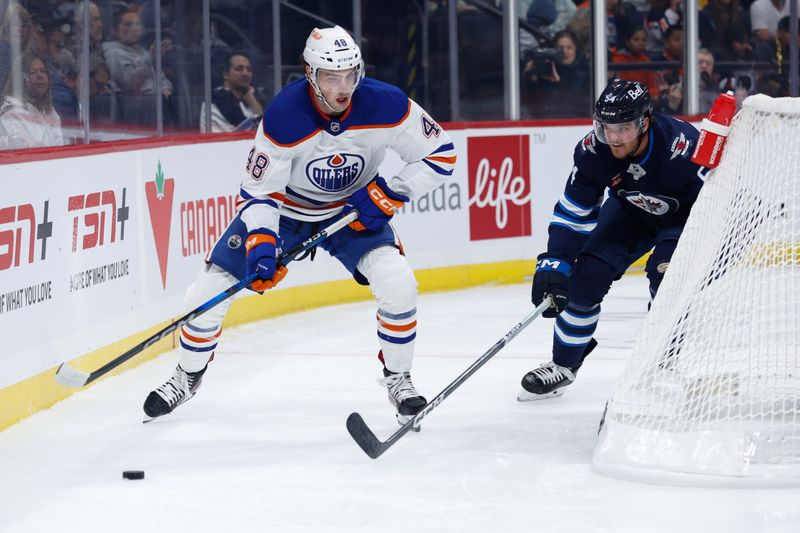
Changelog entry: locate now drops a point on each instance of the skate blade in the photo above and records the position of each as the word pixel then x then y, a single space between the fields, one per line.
pixel 525 396
pixel 402 419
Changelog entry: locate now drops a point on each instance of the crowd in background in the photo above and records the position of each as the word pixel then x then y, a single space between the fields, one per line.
pixel 744 48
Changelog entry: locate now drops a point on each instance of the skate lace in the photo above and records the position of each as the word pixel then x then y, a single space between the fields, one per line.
pixel 175 389
pixel 400 386
pixel 550 373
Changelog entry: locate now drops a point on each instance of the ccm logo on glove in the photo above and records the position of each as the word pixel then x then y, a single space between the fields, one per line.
pixel 376 204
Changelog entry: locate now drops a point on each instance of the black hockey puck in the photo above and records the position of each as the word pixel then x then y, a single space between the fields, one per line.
pixel 133 474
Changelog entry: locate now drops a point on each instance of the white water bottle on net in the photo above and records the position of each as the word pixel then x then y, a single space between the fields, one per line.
pixel 711 394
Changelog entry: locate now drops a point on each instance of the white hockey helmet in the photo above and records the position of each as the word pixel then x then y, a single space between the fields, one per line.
pixel 332 49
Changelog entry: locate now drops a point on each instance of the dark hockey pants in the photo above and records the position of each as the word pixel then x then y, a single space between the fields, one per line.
pixel 616 243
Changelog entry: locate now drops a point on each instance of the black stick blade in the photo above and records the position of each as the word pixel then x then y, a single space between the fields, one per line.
pixel 364 436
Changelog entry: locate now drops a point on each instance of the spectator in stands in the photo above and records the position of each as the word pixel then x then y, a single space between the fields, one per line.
pixel 664 15
pixel 777 51
pixel 132 71
pixel 670 80
pixel 565 9
pixel 737 48
pixel 633 52
pixel 17 39
pixel 62 71
pixel 709 80
pixel 234 105
pixel 540 14
pixel 95 33
pixel 622 21
pixel 28 119
pixel 764 17
pixel 715 18
pixel 565 80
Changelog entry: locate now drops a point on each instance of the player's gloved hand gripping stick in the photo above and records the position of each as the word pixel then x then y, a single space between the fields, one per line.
pixel 66 375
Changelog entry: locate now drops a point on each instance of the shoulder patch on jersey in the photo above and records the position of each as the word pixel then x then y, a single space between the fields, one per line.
pixel 290 118
pixel 429 127
pixel 588 143
pixel 680 146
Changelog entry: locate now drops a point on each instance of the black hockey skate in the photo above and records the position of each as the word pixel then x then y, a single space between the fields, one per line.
pixel 547 381
pixel 403 395
pixel 180 388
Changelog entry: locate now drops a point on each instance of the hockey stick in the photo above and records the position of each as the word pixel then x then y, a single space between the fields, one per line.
pixel 373 447
pixel 66 375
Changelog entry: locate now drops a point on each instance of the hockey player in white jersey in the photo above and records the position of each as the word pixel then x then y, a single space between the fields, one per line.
pixel 316 157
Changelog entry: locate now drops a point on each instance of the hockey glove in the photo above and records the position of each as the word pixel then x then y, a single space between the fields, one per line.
pixel 376 204
pixel 551 278
pixel 260 246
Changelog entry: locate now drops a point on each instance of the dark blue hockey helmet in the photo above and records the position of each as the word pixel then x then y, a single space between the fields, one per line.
pixel 622 102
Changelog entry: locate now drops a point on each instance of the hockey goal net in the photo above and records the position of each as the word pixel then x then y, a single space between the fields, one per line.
pixel 711 394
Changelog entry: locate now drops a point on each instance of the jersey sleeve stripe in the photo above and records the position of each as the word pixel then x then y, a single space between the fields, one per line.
pixel 437 168
pixel 575 207
pixel 441 159
pixel 580 228
pixel 567 215
pixel 444 148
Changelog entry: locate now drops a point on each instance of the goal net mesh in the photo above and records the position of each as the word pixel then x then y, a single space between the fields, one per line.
pixel 711 394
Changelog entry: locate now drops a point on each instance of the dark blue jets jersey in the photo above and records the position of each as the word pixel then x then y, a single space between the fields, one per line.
pixel 658 188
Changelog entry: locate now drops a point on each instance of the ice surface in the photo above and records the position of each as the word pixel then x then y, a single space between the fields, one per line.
pixel 263 447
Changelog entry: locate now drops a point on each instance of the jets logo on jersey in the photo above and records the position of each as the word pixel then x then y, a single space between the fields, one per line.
pixel 653 204
pixel 588 143
pixel 636 170
pixel 680 146
pixel 429 127
pixel 335 172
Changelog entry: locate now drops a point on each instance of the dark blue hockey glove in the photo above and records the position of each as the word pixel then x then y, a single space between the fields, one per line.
pixel 376 204
pixel 551 278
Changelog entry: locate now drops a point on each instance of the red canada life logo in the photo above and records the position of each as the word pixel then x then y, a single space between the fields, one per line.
pixel 499 187
pixel 159 202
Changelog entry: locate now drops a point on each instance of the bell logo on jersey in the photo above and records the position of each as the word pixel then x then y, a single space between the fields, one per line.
pixel 335 172
pixel 680 146
pixel 653 204
pixel 499 187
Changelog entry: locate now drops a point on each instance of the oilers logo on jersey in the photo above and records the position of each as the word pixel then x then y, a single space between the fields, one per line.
pixel 652 203
pixel 335 172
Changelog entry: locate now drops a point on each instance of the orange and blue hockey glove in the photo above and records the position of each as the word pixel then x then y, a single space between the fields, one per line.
pixel 376 204
pixel 261 245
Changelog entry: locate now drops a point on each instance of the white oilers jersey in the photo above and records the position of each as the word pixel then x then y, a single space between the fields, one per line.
pixel 305 164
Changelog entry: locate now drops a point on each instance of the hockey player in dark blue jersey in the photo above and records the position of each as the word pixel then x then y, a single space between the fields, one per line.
pixel 644 161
